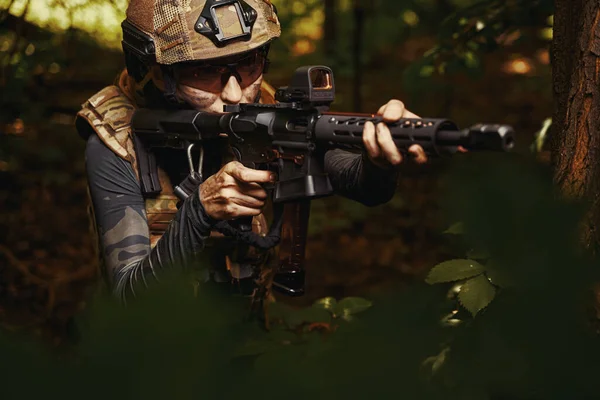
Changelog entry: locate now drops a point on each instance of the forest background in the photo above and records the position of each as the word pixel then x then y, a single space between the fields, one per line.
pixel 518 304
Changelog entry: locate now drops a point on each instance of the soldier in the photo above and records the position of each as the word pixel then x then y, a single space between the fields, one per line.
pixel 200 54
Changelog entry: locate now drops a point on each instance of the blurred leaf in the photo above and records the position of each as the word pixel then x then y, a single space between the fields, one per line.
pixel 454 270
pixel 456 229
pixel 328 303
pixel 439 360
pixel 471 60
pixel 426 70
pixel 541 136
pixel 352 305
pixel 476 294
pixel 434 363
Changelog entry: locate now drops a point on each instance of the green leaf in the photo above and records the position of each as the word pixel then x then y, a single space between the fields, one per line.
pixel 327 303
pixel 497 275
pixel 351 305
pixel 476 294
pixel 454 270
pixel 456 229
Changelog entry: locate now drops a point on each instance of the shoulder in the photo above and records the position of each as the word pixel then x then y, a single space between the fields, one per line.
pixel 108 114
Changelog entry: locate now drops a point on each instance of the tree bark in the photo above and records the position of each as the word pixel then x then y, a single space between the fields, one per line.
pixel 576 119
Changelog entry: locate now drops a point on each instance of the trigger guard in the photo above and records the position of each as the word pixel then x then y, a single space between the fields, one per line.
pixel 237 154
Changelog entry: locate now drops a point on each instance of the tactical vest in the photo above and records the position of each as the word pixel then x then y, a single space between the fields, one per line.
pixel 109 114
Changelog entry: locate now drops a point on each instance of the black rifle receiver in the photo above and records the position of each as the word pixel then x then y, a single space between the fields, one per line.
pixel 291 138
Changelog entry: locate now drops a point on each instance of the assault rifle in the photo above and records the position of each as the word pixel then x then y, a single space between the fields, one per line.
pixel 291 138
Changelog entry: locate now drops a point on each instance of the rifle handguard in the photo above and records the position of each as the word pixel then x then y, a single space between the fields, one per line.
pixel 291 138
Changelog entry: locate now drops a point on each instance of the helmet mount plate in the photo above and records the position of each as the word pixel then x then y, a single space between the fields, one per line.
pixel 226 21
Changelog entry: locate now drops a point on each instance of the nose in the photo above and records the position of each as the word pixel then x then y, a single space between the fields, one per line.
pixel 232 92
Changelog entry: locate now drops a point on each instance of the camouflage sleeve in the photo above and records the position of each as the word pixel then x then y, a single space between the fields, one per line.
pixel 354 176
pixel 123 227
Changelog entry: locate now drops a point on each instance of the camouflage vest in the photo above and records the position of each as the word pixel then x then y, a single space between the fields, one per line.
pixel 109 113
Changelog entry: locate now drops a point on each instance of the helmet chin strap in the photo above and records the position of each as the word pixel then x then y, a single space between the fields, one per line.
pixel 257 98
pixel 170 93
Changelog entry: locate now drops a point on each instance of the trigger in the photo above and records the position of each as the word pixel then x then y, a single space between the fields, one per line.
pixel 237 154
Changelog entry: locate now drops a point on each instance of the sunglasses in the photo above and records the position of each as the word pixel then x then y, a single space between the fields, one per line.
pixel 212 77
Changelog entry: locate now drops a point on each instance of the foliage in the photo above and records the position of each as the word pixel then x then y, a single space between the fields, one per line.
pixel 483 27
pixel 41 72
pixel 448 340
pixel 100 19
pixel 532 270
pixel 532 341
pixel 476 289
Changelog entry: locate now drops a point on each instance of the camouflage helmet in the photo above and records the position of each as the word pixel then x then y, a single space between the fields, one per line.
pixel 172 31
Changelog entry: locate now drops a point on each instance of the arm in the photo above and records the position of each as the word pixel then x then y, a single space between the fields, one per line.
pixel 123 228
pixel 354 176
pixel 371 178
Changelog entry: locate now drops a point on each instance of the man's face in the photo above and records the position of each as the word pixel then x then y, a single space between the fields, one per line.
pixel 209 86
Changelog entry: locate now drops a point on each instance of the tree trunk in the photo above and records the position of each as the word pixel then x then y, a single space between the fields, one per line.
pixel 359 19
pixel 330 28
pixel 576 119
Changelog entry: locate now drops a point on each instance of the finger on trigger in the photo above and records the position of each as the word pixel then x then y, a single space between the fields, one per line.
pixel 249 175
pixel 370 140
pixel 419 154
pixel 394 111
pixel 387 145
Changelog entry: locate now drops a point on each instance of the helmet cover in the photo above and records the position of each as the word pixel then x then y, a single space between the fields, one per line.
pixel 194 30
